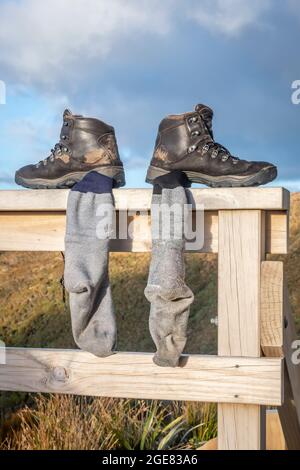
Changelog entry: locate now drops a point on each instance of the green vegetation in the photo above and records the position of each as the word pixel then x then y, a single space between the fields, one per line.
pixel 61 422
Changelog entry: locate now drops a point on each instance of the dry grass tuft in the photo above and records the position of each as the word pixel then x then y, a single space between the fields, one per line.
pixel 71 423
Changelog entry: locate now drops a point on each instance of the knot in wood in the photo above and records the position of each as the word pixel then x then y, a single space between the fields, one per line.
pixel 60 374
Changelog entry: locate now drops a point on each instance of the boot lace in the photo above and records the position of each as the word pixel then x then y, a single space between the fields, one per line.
pixel 55 152
pixel 218 149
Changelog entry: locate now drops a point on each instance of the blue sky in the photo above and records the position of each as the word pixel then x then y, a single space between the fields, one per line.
pixel 131 62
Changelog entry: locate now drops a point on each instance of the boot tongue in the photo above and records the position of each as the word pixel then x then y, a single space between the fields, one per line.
pixel 205 111
pixel 207 115
pixel 69 115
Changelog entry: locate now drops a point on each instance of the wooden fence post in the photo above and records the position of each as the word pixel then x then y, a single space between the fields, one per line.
pixel 241 224
pixel 277 336
pixel 241 250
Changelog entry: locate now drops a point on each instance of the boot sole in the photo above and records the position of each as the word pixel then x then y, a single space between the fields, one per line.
pixel 264 176
pixel 67 181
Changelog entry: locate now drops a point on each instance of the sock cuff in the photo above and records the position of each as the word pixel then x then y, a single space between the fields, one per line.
pixel 171 180
pixel 94 182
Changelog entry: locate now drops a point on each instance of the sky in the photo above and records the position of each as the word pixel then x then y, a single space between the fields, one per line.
pixel 132 62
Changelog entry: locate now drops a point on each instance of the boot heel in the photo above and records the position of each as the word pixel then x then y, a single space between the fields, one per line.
pixel 154 172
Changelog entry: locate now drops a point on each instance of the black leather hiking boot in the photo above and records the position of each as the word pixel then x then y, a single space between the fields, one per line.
pixel 86 144
pixel 185 142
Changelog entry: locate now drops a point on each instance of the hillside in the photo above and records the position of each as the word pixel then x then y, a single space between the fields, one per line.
pixel 33 312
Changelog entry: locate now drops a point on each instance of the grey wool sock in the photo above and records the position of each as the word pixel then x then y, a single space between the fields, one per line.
pixel 86 264
pixel 166 290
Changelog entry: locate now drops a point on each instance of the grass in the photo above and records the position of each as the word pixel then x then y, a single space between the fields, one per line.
pixel 32 314
pixel 81 423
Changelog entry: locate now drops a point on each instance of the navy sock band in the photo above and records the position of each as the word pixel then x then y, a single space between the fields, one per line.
pixel 170 181
pixel 94 182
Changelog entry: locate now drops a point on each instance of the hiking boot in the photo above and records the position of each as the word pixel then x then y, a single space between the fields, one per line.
pixel 185 142
pixel 86 144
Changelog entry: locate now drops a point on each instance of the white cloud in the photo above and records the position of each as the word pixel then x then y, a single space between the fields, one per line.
pixel 40 40
pixel 229 16
pixel 29 134
pixel 45 41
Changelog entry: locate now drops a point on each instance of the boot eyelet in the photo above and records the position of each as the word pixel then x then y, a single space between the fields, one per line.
pixel 205 148
pixel 193 119
pixel 195 133
pixel 64 137
pixel 192 148
pixel 214 154
pixel 225 158
pixel 66 123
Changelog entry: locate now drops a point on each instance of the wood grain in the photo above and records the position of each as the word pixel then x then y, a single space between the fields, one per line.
pixel 277 337
pixel 277 232
pixel 272 278
pixel 240 255
pixel 241 249
pixel 140 199
pixel 275 437
pixel 45 231
pixel 134 375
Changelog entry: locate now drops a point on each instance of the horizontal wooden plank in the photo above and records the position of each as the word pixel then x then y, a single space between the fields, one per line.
pixel 45 231
pixel 134 375
pixel 32 231
pixel 277 232
pixel 41 231
pixel 140 199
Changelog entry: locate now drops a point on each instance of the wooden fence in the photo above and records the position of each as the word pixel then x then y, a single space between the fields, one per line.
pixel 254 366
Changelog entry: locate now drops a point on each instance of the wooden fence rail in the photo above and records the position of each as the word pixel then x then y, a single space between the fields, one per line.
pixel 255 328
pixel 134 375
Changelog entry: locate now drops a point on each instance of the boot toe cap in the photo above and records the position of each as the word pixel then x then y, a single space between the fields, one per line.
pixel 265 172
pixel 26 171
pixel 269 170
pixel 255 167
pixel 267 165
